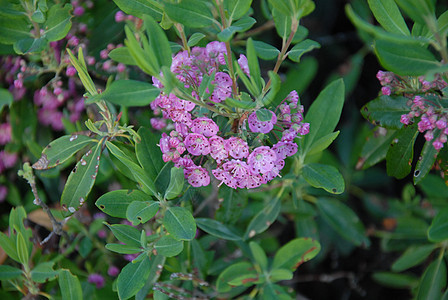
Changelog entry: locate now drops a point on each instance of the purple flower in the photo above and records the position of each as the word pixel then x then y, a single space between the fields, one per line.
pixel 386 90
pixel 437 144
pixel 204 126
pixel 198 176
pixel 217 149
pixel 97 280
pixel 405 119
pixel 284 149
pixel 236 147
pixel 113 271
pixel 262 160
pixel 120 16
pixel 5 133
pixel 3 193
pixel 71 71
pixel 197 144
pixel 255 125
pixel 242 61
pixel 223 87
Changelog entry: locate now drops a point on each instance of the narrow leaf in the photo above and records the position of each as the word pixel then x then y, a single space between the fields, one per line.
pixel 438 231
pixel 140 8
pixel 130 93
pixel 325 177
pixel 433 281
pixel 425 161
pixel 389 16
pixel 401 151
pixel 217 229
pixel 132 278
pixel 9 272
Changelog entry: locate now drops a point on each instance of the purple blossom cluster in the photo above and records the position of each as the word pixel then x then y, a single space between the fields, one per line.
pixel 197 144
pixel 431 118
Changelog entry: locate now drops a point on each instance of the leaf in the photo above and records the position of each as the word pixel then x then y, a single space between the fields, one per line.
pixel 140 8
pixel 58 22
pixel 323 143
pixel 22 249
pixel 325 177
pixel 284 6
pixel 259 255
pixel 413 256
pixel 148 153
pixel 217 229
pixel 157 263
pixel 176 183
pixel 389 16
pixel 254 67
pixel 237 8
pixel 130 93
pixel 81 180
pixel 244 272
pixel 43 272
pixel 295 253
pixel 386 111
pixel 122 55
pixel 433 281
pixel 231 207
pixel 69 285
pixel 375 149
pixel 81 67
pixel 438 231
pixel 266 51
pixel 140 212
pixel 411 60
pixel 9 272
pixel 264 115
pixel 395 280
pixel 13 30
pixel 61 149
pixel 239 26
pixel 263 219
pixel 145 60
pixel 301 48
pixel 123 249
pixel 133 277
pixel 195 38
pixel 115 203
pixel 417 9
pixel 401 151
pixel 30 45
pixel 323 114
pixel 5 98
pixel 168 246
pixel 158 42
pixel 191 13
pixel 9 246
pixel 425 161
pixel 126 234
pixel 343 220
pixel 206 88
pixel 179 222
pixel 280 274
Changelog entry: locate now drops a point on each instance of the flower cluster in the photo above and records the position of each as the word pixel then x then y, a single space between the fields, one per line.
pixel 197 144
pixel 432 119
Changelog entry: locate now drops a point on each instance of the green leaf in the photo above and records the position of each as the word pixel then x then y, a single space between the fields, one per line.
pixel 191 13
pixel 295 253
pixel 9 272
pixel 58 22
pixel 22 249
pixel 375 149
pixel 38 16
pixel 206 88
pixel 140 212
pixel 130 93
pixel 438 231
pixel 81 67
pixel 144 60
pixel 343 220
pixel 254 67
pixel 140 8
pixel 264 218
pixel 126 234
pixel 273 89
pixel 179 222
pixel 386 111
pixel 30 45
pixel 123 56
pixel 115 203
pixel 148 153
pixel 286 7
pixel 157 263
pixel 243 272
pixel 195 38
pixel 389 16
pixel 158 42
pixel 61 149
pixel 132 278
pixel 323 143
pixel 9 246
pixel 176 183
pixel 266 51
pixel 433 281
pixel 425 161
pixel 259 255
pixel 401 151
pixel 280 274
pixel 123 249
pixel 5 98
pixel 325 177
pixel 301 48
pixel 13 30
pixel 43 272
pixel 409 60
pixel 217 229
pixel 264 115
pixel 239 26
pixel 168 246
pixel 81 180
pixel 69 285
pixel 323 114
pixel 395 280
pixel 236 8
pixel 282 23
pixel 231 207
pixel 413 256
pixel 418 10
pixel 138 173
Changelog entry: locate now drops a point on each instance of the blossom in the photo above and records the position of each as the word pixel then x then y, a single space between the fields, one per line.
pixel 113 271
pixel 242 61
pixel 262 160
pixel 204 126
pixel 236 147
pixel 97 279
pixel 5 133
pixel 217 149
pixel 284 149
pixel 255 125
pixel 223 87
pixel 197 144
pixel 197 176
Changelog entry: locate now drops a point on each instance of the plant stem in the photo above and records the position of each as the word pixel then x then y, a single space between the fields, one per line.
pixel 181 31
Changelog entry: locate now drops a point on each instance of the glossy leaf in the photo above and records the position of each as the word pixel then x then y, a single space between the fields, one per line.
pixel 411 60
pixel 191 13
pixel 389 16
pixel 401 151
pixel 179 222
pixel 294 253
pixel 130 93
pixel 243 272
pixel 433 281
pixel 413 256
pixel 386 111
pixel 126 234
pixel 323 143
pixel 325 177
pixel 69 285
pixel 9 272
pixel 58 22
pixel 140 8
pixel 263 219
pixel 176 183
pixel 81 180
pixel 133 277
pixel 343 220
pixel 168 246
pixel 425 162
pixel 266 51
pixel 115 203
pixel 217 229
pixel 122 55
pixel 323 114
pixel 140 212
pixel 148 153
pixel 123 249
pixel 43 272
pixel 438 231
pixel 61 149
pixel 301 48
